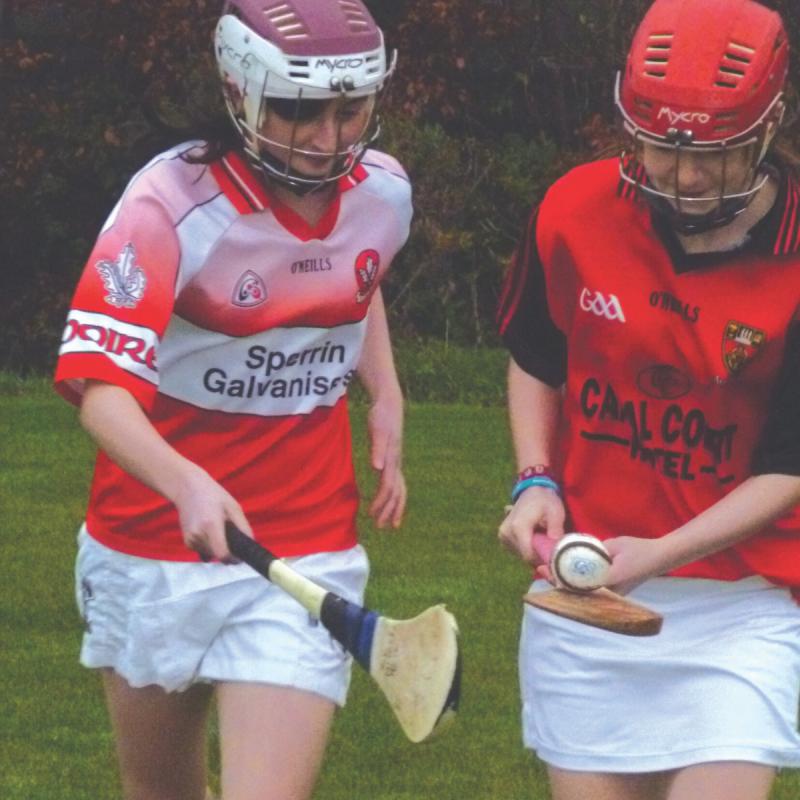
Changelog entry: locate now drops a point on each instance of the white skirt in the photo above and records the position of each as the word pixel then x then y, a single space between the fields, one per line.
pixel 721 682
pixel 174 624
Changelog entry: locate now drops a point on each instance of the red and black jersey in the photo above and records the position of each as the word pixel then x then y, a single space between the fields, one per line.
pixel 237 327
pixel 680 380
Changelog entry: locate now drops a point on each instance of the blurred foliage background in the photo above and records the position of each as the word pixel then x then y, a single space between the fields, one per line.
pixel 492 100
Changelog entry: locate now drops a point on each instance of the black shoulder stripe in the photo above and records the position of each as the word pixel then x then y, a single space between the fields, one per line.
pixel 515 279
pixel 633 170
pixel 788 239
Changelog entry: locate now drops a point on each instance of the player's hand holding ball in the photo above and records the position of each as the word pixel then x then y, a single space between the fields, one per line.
pixel 580 563
pixel 637 560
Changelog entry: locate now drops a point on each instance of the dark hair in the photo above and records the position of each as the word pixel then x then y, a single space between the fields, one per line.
pixel 216 130
pixel 199 115
pixel 787 153
pixel 786 145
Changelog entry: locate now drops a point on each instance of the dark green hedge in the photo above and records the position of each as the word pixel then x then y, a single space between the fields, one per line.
pixel 492 100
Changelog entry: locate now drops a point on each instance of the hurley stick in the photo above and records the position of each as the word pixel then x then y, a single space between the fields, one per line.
pixel 416 663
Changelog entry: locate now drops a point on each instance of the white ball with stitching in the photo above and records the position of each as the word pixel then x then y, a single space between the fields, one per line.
pixel 580 563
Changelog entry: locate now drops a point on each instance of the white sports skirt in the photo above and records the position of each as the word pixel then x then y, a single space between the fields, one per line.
pixel 721 682
pixel 174 624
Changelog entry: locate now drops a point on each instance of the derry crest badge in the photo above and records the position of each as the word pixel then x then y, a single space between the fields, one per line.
pixel 123 278
pixel 367 265
pixel 740 344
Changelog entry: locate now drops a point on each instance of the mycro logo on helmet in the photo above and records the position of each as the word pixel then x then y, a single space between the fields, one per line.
pixel 684 116
pixel 339 63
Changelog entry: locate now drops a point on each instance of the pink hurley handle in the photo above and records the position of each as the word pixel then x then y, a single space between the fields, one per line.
pixel 543 546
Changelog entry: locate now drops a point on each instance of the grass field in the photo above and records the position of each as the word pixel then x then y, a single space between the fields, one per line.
pixel 54 735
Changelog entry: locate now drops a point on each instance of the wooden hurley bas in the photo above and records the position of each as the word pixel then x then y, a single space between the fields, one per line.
pixel 600 607
pixel 416 663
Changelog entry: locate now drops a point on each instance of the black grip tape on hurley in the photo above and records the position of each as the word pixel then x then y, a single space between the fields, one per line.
pixel 248 550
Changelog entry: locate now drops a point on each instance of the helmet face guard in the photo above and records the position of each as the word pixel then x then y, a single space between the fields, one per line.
pixel 294 62
pixel 687 213
pixel 702 85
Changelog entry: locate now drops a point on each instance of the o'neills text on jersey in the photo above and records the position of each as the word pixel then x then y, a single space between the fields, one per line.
pixel 311 265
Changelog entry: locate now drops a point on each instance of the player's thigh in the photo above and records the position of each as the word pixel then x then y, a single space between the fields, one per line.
pixel 272 740
pixel 160 738
pixel 569 785
pixel 722 780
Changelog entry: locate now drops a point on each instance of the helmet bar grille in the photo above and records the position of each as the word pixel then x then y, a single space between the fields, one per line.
pixel 658 50
pixel 286 21
pixel 300 64
pixel 735 61
pixel 374 60
pixel 355 16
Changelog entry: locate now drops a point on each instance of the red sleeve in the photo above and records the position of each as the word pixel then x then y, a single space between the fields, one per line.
pixel 123 302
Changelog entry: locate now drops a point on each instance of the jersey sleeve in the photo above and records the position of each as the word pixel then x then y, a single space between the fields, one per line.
pixel 123 301
pixel 778 451
pixel 524 321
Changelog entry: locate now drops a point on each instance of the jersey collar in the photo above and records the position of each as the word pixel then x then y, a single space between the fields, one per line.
pixel 776 233
pixel 247 194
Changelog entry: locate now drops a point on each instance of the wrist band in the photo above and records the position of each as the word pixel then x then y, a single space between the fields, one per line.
pixel 538 471
pixel 521 486
pixel 538 475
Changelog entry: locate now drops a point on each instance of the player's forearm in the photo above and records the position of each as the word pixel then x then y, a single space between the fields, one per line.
pixel 749 508
pixel 376 367
pixel 534 410
pixel 116 421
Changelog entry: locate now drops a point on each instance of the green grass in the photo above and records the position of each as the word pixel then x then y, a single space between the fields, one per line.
pixel 55 740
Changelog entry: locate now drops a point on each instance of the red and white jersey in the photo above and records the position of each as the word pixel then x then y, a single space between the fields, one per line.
pixel 237 327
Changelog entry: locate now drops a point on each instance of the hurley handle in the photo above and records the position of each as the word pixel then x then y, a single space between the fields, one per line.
pixel 249 550
pixel 543 545
pixel 352 625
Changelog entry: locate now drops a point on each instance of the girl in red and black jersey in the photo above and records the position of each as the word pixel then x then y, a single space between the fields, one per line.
pixel 652 319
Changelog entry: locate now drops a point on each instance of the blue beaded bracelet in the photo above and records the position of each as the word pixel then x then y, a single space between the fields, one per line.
pixel 539 480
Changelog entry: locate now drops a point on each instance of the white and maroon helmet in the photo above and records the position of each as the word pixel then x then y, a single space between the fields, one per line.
pixel 297 50
pixel 704 76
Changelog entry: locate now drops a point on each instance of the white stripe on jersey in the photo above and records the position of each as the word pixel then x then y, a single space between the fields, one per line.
pixel 201 228
pixel 130 347
pixel 278 372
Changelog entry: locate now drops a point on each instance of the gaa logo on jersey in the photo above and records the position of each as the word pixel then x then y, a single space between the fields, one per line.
pixel 249 291
pixel 597 303
pixel 740 344
pixel 367 265
pixel 123 278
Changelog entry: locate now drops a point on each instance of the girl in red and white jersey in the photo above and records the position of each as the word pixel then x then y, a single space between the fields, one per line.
pixel 230 298
pixel 651 315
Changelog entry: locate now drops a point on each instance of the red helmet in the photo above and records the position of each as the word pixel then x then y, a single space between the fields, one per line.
pixel 276 52
pixel 705 75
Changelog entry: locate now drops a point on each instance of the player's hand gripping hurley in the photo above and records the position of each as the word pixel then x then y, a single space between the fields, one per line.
pixel 416 663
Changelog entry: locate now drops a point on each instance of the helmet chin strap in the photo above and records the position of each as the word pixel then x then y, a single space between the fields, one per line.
pixel 726 210
pixel 298 183
pixel 693 224
pixel 277 171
